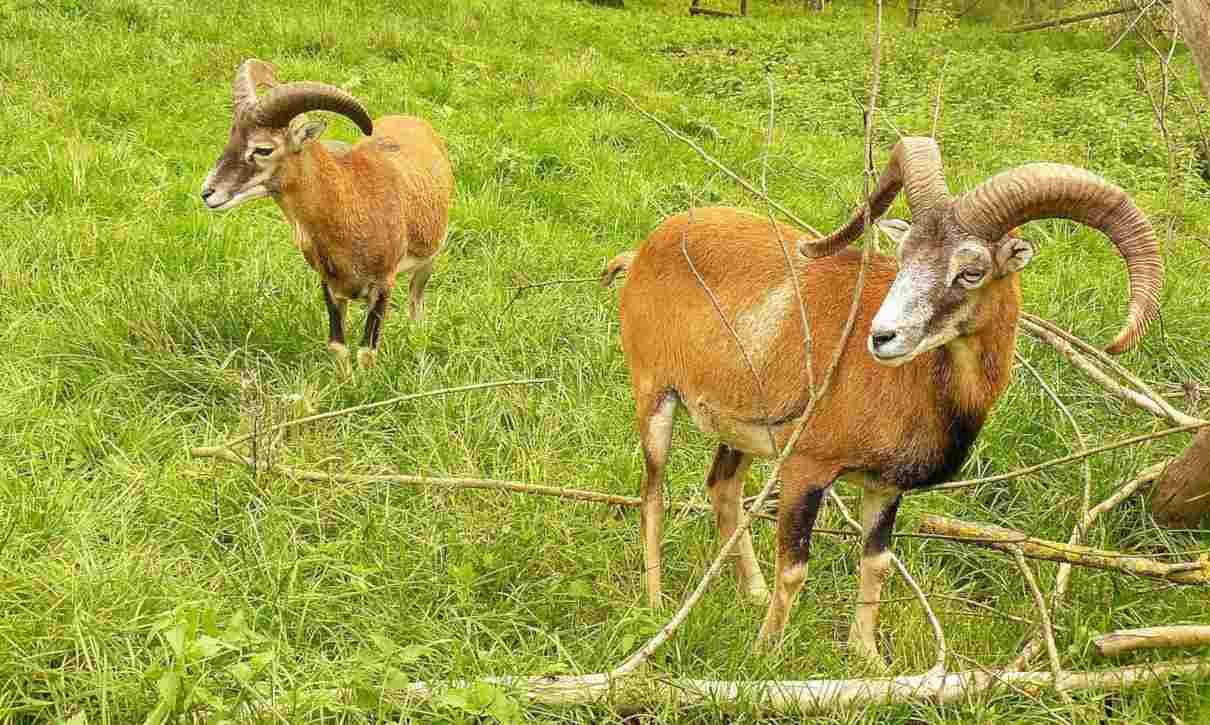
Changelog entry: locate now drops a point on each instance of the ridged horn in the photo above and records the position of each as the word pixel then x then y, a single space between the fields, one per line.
pixel 915 167
pixel 1047 191
pixel 288 100
pixel 252 74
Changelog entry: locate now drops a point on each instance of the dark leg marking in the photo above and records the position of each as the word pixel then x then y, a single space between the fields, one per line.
pixel 801 523
pixel 378 310
pixel 726 463
pixel 336 316
pixel 878 539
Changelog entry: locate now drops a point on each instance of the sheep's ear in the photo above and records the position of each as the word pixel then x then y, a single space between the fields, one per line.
pixel 896 229
pixel 1013 254
pixel 304 130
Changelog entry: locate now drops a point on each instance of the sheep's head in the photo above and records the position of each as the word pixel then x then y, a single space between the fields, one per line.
pixel 266 130
pixel 958 249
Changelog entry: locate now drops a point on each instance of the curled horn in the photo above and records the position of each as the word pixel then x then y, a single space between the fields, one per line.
pixel 1047 191
pixel 251 75
pixel 286 101
pixel 915 167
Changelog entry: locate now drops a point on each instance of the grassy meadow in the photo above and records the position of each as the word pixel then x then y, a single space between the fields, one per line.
pixel 135 324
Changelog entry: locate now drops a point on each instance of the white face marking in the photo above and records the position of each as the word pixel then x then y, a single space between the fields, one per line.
pixel 906 311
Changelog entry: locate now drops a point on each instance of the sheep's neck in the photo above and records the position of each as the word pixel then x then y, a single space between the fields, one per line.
pixel 310 181
pixel 973 370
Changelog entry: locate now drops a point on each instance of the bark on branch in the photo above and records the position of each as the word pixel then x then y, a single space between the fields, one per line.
pixel 1127 640
pixel 1056 22
pixel 1006 540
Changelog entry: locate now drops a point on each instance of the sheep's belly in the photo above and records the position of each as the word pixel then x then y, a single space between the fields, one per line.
pixel 742 435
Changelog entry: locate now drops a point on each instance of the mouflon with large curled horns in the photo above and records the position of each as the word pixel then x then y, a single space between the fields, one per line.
pixel 931 350
pixel 361 214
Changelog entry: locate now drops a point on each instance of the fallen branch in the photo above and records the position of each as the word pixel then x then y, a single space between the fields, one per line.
pixel 1128 640
pixel 1056 22
pixel 792 697
pixel 1148 401
pixel 1006 540
pixel 1146 398
pixel 1048 632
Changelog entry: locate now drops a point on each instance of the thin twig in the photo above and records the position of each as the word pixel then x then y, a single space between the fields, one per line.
pixel 1065 459
pixel 937 102
pixel 1038 326
pixel 781 242
pixel 520 289
pixel 1079 530
pixel 1048 633
pixel 1008 540
pixel 716 163
pixel 370 406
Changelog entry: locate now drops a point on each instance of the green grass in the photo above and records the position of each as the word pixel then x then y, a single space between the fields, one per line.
pixel 135 324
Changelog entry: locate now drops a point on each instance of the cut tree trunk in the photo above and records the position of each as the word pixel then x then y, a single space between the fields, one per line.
pixel 1193 21
pixel 1182 496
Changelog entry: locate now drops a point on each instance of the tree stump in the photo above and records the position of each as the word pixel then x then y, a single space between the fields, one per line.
pixel 1182 496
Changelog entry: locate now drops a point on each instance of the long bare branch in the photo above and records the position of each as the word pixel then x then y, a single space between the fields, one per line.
pixel 1006 540
pixel 1174 636
pixel 1048 632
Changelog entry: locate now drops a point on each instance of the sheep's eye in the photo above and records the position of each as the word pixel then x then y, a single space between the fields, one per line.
pixel 262 150
pixel 970 276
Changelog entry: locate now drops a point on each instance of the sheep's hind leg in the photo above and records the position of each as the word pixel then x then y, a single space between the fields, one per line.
pixel 725 486
pixel 380 300
pixel 655 429
pixel 420 278
pixel 336 324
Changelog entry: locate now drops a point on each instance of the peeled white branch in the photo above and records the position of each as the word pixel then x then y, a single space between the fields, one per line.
pixel 793 697
pixel 1127 640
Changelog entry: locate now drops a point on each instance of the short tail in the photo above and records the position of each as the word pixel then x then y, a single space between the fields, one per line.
pixel 617 265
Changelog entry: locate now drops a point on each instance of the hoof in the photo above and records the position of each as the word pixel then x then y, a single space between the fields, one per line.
pixel 756 595
pixel 365 358
pixel 338 350
pixel 867 650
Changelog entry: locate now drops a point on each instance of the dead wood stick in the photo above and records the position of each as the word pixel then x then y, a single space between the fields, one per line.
pixel 369 406
pixel 1144 477
pixel 1055 22
pixel 1127 640
pixel 1079 455
pixel 1038 326
pixel 1048 633
pixel 792 697
pixel 1003 539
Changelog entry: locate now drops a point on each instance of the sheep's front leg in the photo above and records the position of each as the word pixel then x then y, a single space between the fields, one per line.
pixel 336 324
pixel 380 300
pixel 879 504
pixel 803 484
